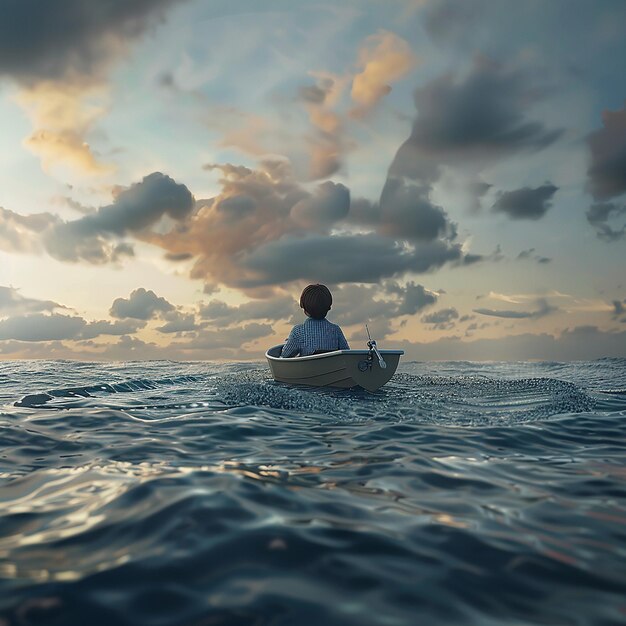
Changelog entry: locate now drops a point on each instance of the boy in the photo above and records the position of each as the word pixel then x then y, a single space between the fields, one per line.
pixel 317 334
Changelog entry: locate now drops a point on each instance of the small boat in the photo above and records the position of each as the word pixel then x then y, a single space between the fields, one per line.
pixel 369 369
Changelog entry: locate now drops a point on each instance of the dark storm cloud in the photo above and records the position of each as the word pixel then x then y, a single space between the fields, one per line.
pixel 364 212
pixel 345 258
pixel 13 302
pixel 526 203
pixel 342 258
pixel 433 254
pixel 543 309
pixel 607 169
pixel 599 215
pixel 483 114
pixel 329 204
pixel 407 212
pixel 359 304
pixel 50 40
pixel 139 206
pixel 141 305
pixel 414 297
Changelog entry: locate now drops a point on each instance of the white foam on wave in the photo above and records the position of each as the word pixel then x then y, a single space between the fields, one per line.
pixel 455 400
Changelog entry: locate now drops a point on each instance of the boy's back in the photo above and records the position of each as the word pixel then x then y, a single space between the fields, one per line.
pixel 313 336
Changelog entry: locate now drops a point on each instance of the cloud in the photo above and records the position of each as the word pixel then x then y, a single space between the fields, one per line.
pixel 526 203
pixel 313 94
pixel 579 343
pixel 60 54
pixel 135 208
pixel 95 237
pixel 176 258
pixel 543 309
pixel 327 143
pixel 529 254
pixel 385 57
pixel 13 302
pixel 477 189
pixel 231 338
pixel 29 323
pixel 264 228
pixel 377 305
pixel 63 115
pixel 103 327
pixel 42 40
pixel 482 115
pixel 406 211
pixel 607 169
pixel 141 305
pixel 274 309
pixel 442 319
pixel 414 297
pixel 39 327
pixel 340 258
pixel 23 233
pixel 599 214
pixel 329 204
pixel 180 323
pixel 618 310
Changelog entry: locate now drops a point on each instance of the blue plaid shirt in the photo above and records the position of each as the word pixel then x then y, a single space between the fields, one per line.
pixel 313 335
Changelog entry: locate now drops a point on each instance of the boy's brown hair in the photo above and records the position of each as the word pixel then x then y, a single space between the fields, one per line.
pixel 316 300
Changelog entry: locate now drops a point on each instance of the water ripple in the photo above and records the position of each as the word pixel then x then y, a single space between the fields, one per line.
pixel 177 493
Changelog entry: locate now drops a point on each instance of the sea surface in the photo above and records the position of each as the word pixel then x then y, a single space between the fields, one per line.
pixel 203 494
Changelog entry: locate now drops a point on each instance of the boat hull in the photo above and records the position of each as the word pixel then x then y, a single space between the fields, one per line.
pixel 340 368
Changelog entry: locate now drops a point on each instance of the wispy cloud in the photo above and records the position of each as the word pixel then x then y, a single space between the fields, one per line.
pixel 543 309
pixel 384 58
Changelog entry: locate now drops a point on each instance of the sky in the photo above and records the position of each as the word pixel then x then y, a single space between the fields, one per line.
pixel 174 172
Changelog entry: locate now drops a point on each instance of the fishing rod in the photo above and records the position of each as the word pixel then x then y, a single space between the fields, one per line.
pixel 371 344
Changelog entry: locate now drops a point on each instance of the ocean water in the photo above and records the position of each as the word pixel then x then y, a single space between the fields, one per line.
pixel 204 494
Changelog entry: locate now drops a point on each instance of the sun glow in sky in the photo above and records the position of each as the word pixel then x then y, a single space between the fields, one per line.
pixel 173 173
